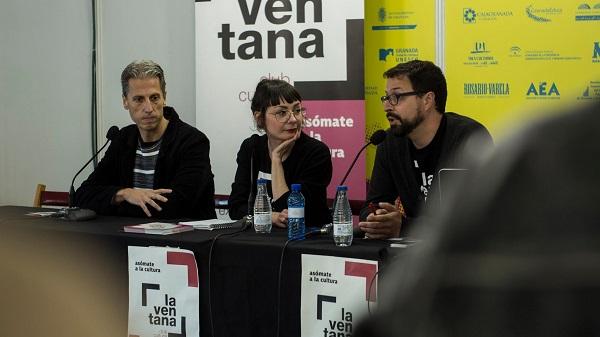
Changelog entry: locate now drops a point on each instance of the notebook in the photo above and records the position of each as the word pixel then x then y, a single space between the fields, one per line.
pixel 160 228
pixel 210 224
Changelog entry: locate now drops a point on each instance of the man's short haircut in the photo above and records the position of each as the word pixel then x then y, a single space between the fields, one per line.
pixel 269 93
pixel 424 76
pixel 142 69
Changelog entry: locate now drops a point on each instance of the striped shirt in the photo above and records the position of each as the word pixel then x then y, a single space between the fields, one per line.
pixel 145 162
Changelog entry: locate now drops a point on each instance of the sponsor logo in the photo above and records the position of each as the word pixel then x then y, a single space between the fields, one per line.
pixel 515 51
pixel 543 90
pixel 596 53
pixel 384 53
pixel 371 90
pixel 394 20
pixel 588 12
pixel 549 55
pixel 591 92
pixel 394 27
pixel 471 16
pixel 542 14
pixel 483 89
pixel 381 14
pixel 479 48
pixel 406 54
pixel 480 56
pixel 401 55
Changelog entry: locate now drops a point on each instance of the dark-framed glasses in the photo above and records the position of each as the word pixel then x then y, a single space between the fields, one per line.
pixel 283 115
pixel 394 98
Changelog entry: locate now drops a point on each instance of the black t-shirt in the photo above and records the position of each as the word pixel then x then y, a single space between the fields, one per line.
pixel 425 160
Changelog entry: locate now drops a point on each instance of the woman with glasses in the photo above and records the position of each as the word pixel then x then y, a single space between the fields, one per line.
pixel 283 155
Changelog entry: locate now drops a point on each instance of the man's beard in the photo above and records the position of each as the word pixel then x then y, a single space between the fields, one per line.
pixel 406 126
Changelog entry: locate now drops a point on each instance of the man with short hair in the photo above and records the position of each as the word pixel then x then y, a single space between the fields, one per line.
pixel 424 139
pixel 157 167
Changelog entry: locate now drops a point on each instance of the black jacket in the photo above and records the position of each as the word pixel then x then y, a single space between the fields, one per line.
pixel 308 164
pixel 183 165
pixel 393 172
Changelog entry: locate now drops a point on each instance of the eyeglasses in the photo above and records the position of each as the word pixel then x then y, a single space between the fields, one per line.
pixel 284 115
pixel 394 98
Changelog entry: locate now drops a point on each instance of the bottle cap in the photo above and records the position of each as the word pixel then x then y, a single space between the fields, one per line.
pixel 296 187
pixel 342 188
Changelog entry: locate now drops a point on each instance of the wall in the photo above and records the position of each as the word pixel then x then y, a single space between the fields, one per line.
pixel 160 30
pixel 45 80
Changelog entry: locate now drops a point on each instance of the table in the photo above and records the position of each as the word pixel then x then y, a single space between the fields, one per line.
pixel 244 268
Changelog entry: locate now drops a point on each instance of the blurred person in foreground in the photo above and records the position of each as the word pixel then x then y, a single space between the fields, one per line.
pixel 423 139
pixel 283 155
pixel 157 167
pixel 521 256
pixel 60 284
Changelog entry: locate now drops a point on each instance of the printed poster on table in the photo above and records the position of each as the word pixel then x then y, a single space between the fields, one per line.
pixel 336 294
pixel 315 45
pixel 163 292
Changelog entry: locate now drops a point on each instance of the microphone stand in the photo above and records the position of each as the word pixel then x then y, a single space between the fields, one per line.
pixel 75 213
pixel 354 162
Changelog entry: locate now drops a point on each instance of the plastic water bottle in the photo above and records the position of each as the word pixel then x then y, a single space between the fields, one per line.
pixel 296 226
pixel 262 208
pixel 342 218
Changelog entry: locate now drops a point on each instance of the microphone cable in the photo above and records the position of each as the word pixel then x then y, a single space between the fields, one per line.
pixel 245 226
pixel 247 223
pixel 324 230
pixel 279 285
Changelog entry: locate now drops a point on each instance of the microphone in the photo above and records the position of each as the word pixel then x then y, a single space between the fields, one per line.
pixel 75 213
pixel 376 138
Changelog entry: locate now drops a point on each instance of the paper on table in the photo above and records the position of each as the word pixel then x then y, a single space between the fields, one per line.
pixel 210 224
pixel 162 228
pixel 42 214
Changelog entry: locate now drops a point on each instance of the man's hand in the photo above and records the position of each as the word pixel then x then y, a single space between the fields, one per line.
pixel 280 219
pixel 142 198
pixel 384 223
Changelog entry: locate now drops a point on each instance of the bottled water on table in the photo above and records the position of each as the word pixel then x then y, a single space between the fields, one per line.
pixel 296 226
pixel 342 218
pixel 262 208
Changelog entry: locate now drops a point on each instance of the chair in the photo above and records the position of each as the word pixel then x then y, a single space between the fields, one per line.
pixel 49 198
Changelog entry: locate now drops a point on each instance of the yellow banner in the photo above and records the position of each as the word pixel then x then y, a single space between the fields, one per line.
pixel 506 62
pixel 395 31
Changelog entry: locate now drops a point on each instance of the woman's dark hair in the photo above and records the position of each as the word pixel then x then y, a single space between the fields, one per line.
pixel 269 93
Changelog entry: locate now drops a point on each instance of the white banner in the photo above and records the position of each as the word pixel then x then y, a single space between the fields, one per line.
pixel 163 292
pixel 238 43
pixel 336 293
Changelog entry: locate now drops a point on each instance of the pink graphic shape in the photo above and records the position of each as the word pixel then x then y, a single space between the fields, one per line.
pixel 349 139
pixel 185 259
pixel 366 270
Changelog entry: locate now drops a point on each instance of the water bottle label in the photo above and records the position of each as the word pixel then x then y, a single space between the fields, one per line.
pixel 295 212
pixel 342 229
pixel 262 219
